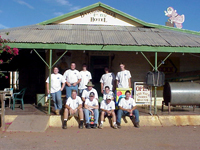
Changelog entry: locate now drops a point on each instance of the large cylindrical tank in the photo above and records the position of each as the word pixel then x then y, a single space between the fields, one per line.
pixel 181 93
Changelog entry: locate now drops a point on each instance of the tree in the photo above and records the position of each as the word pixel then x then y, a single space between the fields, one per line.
pixel 6 53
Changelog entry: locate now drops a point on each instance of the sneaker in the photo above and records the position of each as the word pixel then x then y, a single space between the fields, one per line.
pixel 88 126
pixel 119 126
pixel 137 125
pixel 95 126
pixel 115 126
pixel 81 125
pixel 65 125
pixel 101 126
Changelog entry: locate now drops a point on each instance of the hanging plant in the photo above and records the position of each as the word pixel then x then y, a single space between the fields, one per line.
pixel 6 53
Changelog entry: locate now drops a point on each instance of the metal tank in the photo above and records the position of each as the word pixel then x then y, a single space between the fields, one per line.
pixel 181 93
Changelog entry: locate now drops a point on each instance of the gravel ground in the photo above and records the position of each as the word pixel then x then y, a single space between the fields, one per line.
pixel 150 138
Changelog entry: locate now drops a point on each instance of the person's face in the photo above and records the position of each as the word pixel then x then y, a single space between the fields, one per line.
pixel 55 70
pixel 122 67
pixel 106 69
pixel 73 66
pixel 84 68
pixel 107 90
pixel 89 88
pixel 108 101
pixel 74 95
pixel 91 98
pixel 127 95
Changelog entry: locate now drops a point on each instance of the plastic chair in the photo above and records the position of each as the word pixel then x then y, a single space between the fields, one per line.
pixel 19 96
pixel 10 95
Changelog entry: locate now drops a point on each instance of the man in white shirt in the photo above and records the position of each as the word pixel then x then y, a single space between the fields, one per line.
pixel 91 108
pixel 72 79
pixel 108 109
pixel 123 78
pixel 107 79
pixel 56 80
pixel 85 78
pixel 127 107
pixel 108 92
pixel 88 90
pixel 73 107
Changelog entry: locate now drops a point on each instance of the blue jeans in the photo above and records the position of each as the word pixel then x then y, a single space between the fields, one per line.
pixel 57 100
pixel 80 92
pixel 88 113
pixel 69 90
pixel 121 113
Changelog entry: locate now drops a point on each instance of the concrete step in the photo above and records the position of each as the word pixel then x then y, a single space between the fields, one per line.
pixel 29 123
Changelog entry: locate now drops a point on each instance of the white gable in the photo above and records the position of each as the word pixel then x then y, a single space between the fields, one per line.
pixel 98 16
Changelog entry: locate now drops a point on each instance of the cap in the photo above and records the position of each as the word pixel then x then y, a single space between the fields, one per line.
pixel 91 94
pixel 108 97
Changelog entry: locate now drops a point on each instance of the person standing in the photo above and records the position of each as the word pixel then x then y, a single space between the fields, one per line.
pixel 72 79
pixel 85 78
pixel 88 90
pixel 73 107
pixel 123 78
pixel 127 107
pixel 107 79
pixel 56 80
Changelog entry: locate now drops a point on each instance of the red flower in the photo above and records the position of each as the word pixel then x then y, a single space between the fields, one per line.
pixel 6 77
pixel 1 61
pixel 119 93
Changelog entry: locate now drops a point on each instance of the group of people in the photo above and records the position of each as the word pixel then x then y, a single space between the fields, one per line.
pixel 82 98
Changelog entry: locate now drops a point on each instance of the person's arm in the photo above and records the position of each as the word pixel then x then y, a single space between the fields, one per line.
pixel 79 80
pixel 117 82
pixel 63 85
pixel 80 106
pixel 129 82
pixel 102 88
pixel 48 91
pixel 68 107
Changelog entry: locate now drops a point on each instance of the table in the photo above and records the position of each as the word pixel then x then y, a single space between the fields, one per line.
pixel 2 98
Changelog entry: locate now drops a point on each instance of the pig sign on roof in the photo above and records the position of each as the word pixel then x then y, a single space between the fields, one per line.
pixel 175 17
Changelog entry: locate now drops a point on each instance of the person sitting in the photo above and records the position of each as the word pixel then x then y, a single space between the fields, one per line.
pixel 108 109
pixel 91 108
pixel 127 107
pixel 73 107
pixel 108 92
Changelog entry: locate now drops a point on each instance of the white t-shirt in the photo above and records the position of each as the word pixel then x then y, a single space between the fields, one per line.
pixel 106 106
pixel 86 93
pixel 71 76
pixel 123 77
pixel 110 93
pixel 56 80
pixel 108 80
pixel 91 103
pixel 85 77
pixel 127 104
pixel 74 103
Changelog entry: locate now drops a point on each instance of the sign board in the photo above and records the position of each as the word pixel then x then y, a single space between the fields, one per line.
pixel 142 92
pixel 98 16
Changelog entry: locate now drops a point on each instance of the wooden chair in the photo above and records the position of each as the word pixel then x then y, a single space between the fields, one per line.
pixel 19 96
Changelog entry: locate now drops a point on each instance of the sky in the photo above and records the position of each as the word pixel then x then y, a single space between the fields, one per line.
pixel 16 13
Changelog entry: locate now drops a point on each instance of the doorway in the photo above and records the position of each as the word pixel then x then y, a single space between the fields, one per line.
pixel 97 64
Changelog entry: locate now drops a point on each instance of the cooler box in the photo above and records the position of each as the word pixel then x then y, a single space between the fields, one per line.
pixel 40 99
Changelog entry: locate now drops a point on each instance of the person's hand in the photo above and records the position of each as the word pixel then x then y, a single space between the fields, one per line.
pixel 92 112
pixel 48 91
pixel 129 110
pixel 61 89
pixel 68 84
pixel 131 114
pixel 75 84
pixel 71 111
